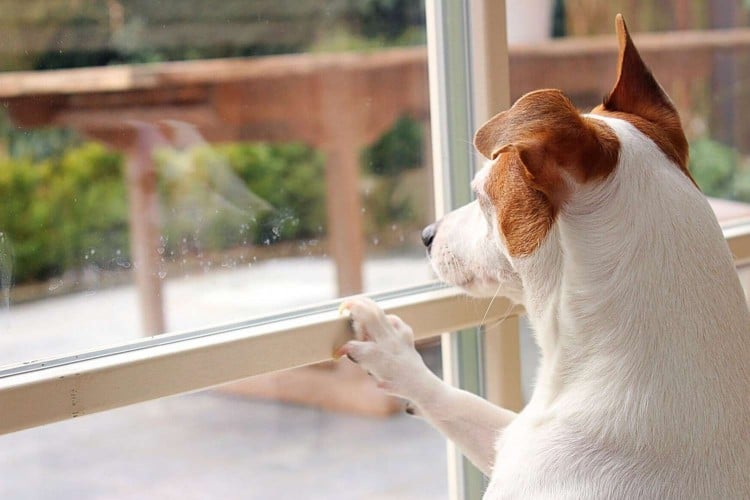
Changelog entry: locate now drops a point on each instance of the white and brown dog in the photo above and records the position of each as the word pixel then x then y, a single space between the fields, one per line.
pixel 595 225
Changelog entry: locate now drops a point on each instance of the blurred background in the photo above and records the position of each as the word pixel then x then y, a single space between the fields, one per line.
pixel 171 165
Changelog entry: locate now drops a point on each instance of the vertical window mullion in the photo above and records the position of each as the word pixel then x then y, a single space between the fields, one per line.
pixel 463 91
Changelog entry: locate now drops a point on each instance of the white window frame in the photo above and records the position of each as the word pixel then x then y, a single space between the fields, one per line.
pixel 142 370
pixel 468 82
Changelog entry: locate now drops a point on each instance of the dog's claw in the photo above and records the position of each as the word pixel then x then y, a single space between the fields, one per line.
pixel 344 310
pixel 339 353
pixel 410 409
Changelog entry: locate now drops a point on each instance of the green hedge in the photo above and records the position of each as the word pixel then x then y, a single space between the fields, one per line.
pixel 65 212
pixel 229 195
pixel 397 151
pixel 69 209
pixel 719 170
pixel 58 214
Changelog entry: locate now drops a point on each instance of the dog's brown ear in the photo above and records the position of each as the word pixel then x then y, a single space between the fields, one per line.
pixel 550 137
pixel 637 92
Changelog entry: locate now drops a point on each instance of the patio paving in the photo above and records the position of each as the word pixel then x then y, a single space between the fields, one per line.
pixel 211 445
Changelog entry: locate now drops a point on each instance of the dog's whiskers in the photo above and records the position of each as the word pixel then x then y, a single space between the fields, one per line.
pixel 505 316
pixel 489 306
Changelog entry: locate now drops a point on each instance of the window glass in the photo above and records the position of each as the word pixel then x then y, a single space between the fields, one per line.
pixel 173 165
pixel 168 166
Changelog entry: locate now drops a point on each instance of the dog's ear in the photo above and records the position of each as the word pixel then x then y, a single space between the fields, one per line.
pixel 637 92
pixel 551 138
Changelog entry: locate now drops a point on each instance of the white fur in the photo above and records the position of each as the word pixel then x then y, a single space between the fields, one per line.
pixel 644 379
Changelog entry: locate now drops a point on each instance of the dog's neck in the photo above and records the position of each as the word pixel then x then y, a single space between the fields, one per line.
pixel 624 277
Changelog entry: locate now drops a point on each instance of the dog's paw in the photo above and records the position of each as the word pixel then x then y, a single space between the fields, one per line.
pixel 384 346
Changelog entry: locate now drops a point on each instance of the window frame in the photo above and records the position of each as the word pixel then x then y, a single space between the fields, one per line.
pixel 35 393
pixel 138 371
pixel 459 39
pixel 469 82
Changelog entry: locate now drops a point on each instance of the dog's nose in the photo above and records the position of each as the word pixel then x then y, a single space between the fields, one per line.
pixel 428 234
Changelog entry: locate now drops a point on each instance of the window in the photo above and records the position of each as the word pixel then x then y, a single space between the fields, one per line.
pixel 242 168
pixel 204 188
pixel 139 200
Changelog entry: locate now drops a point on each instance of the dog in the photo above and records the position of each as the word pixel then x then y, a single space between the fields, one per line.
pixel 594 223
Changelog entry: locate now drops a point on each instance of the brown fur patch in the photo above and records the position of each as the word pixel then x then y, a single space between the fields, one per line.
pixel 551 138
pixel 657 133
pixel 640 100
pixel 542 137
pixel 524 214
pixel 539 140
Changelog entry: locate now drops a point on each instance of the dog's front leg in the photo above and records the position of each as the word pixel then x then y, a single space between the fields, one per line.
pixel 384 346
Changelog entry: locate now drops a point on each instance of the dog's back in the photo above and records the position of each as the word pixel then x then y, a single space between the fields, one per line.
pixel 643 387
pixel 595 224
pixel 649 397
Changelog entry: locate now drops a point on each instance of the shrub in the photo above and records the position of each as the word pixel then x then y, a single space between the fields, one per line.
pixel 25 220
pixel 66 212
pixel 222 196
pixel 388 18
pixel 714 167
pixel 398 150
pixel 719 170
pixel 291 179
pixel 59 214
pixel 91 207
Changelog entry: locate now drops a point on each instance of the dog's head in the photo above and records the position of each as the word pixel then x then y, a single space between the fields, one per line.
pixel 541 153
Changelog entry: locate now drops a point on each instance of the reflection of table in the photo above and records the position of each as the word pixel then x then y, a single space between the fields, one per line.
pixel 338 103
